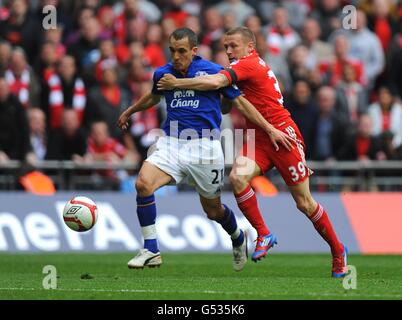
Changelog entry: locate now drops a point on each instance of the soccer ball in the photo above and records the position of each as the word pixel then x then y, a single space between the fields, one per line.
pixel 80 214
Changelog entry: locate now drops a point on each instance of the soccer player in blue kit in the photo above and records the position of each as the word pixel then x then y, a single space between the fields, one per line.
pixel 189 149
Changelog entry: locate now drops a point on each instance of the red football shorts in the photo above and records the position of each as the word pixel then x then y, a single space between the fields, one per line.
pixel 291 164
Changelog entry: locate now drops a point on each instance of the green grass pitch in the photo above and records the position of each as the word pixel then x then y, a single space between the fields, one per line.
pixel 197 276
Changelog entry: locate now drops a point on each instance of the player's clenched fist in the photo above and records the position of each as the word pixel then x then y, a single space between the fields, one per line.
pixel 167 82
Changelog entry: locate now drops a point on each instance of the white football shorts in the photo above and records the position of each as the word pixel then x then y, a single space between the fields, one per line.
pixel 199 161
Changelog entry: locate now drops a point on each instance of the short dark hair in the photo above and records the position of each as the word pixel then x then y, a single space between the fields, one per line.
pixel 387 87
pixel 182 33
pixel 245 33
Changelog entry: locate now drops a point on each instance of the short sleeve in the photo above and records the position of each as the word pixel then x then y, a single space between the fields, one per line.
pixel 156 77
pixel 238 71
pixel 231 92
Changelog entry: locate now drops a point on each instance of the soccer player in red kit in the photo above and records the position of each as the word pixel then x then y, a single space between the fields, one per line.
pixel 260 87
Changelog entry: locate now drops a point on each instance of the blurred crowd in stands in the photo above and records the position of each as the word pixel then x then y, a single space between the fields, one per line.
pixel 62 90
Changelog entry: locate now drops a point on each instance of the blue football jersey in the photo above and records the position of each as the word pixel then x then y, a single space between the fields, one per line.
pixel 192 111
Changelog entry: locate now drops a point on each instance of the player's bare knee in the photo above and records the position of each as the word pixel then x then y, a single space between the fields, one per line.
pixel 143 187
pixel 237 181
pixel 301 204
pixel 305 205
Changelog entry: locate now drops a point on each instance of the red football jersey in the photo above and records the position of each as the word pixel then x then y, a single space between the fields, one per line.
pixel 259 85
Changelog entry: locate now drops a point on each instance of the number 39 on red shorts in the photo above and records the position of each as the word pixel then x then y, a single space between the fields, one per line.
pixel 291 164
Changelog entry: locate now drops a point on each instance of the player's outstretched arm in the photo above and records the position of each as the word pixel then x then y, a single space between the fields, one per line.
pixel 202 83
pixel 145 102
pixel 251 113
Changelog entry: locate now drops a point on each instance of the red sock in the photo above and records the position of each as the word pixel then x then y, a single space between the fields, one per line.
pixel 247 202
pixel 324 227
